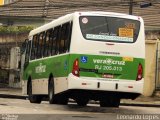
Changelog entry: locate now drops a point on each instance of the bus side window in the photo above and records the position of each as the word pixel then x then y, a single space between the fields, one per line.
pixel 50 42
pixel 28 52
pixel 58 40
pixel 68 36
pixel 62 39
pixel 44 44
pixel 40 45
pixel 33 50
pixel 55 37
pixel 65 37
pixel 47 44
pixel 37 46
pixel 53 41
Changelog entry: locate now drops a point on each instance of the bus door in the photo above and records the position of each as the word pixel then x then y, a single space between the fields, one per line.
pixel 25 55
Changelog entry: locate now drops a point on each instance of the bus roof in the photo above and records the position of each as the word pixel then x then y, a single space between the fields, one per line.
pixel 69 17
pixel 51 24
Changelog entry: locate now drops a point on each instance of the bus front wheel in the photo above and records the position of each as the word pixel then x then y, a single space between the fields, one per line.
pixel 33 98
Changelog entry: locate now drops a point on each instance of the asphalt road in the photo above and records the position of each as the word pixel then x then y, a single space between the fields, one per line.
pixel 18 109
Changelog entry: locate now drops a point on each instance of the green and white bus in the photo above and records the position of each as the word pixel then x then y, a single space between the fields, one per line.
pixel 85 56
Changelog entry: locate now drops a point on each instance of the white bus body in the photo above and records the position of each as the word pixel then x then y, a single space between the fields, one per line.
pixel 102 61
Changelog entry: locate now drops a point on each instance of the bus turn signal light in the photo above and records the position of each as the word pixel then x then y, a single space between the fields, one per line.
pixel 75 70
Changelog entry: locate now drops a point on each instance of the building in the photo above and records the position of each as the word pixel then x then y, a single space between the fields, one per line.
pixel 39 11
pixel 4 2
pixel 1 2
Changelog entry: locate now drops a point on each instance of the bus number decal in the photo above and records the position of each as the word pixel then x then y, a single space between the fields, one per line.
pixel 109 68
pixel 114 68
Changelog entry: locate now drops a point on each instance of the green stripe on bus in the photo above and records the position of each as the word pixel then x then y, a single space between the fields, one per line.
pixel 90 66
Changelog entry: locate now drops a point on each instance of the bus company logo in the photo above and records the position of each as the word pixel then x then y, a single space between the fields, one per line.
pixel 108 61
pixel 40 69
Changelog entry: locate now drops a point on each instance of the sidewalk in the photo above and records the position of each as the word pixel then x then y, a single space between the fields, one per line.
pixel 16 93
pixel 153 101
pixel 8 92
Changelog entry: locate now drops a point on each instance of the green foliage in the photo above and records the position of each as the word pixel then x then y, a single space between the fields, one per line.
pixel 15 29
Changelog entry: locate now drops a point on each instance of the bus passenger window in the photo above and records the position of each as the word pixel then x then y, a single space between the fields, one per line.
pixel 33 50
pixel 68 36
pixel 44 44
pixel 62 39
pixel 28 52
pixel 47 43
pixel 58 40
pixel 55 41
pixel 40 45
pixel 64 42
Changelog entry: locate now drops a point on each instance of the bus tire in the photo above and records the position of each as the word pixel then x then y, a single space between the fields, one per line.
pixel 51 95
pixel 56 99
pixel 110 102
pixel 62 99
pixel 116 102
pixel 33 98
pixel 105 103
pixel 82 101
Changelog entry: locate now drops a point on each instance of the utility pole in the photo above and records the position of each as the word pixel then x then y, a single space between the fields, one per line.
pixel 131 7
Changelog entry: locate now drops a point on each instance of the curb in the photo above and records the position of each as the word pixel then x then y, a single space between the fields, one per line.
pixel 13 96
pixel 139 105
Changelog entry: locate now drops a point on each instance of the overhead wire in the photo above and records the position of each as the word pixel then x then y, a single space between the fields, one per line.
pixel 112 5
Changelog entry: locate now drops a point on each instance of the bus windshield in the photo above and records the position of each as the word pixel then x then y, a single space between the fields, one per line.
pixel 109 29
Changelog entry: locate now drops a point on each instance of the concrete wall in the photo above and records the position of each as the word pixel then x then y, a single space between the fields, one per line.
pixel 13 38
pixel 158 68
pixel 14 73
pixel 152 35
pixel 150 67
pixel 14 79
pixel 6 43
